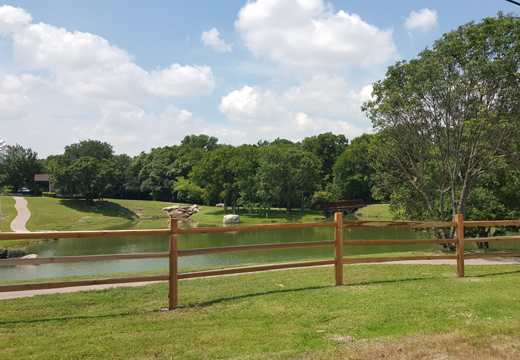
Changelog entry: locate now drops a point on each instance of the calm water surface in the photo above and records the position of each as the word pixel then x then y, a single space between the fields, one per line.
pixel 122 245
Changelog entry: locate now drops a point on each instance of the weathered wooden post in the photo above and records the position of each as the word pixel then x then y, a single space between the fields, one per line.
pixel 338 249
pixel 459 219
pixel 173 292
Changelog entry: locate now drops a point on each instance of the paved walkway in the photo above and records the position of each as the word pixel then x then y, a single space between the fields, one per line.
pixel 29 293
pixel 18 224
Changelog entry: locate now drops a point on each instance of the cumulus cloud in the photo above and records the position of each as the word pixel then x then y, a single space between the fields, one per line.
pixel 211 39
pixel 310 33
pixel 15 94
pixel 12 18
pixel 249 105
pixel 165 128
pixel 86 87
pixel 327 96
pixel 423 20
pixel 271 115
pixel 88 67
pixel 323 95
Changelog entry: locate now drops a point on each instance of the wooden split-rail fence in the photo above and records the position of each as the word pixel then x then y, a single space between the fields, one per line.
pixel 174 253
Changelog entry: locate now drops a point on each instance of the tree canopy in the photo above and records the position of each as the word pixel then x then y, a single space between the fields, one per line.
pixel 18 168
pixel 448 117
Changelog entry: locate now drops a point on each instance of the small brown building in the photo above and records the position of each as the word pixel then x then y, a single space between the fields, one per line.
pixel 43 178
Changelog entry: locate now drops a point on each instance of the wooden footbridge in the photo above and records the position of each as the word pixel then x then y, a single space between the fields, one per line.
pixel 335 206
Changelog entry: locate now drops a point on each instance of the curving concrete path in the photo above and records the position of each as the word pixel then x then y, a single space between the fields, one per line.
pixel 18 224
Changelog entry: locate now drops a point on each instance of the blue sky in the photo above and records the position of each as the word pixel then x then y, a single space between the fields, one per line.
pixel 142 75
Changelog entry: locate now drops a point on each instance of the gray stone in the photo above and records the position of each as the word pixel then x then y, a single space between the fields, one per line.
pixel 15 253
pixel 181 212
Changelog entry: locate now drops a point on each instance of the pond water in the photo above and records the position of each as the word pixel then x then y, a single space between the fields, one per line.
pixel 121 245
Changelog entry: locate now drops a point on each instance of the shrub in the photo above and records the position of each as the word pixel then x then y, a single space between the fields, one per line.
pixel 48 194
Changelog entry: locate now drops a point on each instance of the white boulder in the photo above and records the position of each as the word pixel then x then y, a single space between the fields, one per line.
pixel 231 219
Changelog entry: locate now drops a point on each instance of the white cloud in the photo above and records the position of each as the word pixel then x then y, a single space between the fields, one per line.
pixel 323 95
pixel 327 96
pixel 249 105
pixel 88 88
pixel 270 117
pixel 142 130
pixel 212 40
pixel 423 20
pixel 15 94
pixel 88 68
pixel 180 81
pixel 310 33
pixel 12 18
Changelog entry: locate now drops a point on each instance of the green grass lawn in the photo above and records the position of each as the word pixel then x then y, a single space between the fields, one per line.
pixel 211 214
pixel 290 314
pixel 8 212
pixel 375 212
pixel 67 214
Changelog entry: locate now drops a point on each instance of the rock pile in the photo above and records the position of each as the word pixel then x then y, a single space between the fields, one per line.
pixel 181 212
pixel 11 253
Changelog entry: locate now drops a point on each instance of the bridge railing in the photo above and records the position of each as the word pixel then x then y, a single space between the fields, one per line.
pixel 174 253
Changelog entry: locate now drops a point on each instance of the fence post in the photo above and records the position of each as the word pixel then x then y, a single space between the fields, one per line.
pixel 459 219
pixel 338 249
pixel 173 292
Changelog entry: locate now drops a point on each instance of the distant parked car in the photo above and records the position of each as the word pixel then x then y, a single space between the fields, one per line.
pixel 24 190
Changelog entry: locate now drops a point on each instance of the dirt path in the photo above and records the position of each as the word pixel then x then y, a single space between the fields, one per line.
pixel 18 224
pixel 29 293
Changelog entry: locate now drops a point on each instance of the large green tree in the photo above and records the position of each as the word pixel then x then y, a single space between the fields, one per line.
pixel 328 147
pixel 352 171
pixel 286 176
pixel 222 171
pixel 157 172
pixel 93 148
pixel 87 167
pixel 19 167
pixel 203 142
pixel 87 176
pixel 447 117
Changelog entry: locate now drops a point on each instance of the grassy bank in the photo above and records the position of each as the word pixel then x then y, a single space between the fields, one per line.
pixel 290 314
pixel 8 212
pixel 66 214
pixel 214 215
pixel 379 212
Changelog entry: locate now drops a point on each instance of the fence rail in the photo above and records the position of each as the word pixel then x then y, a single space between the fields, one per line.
pixel 174 253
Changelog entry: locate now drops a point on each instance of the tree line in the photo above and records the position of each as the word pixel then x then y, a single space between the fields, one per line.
pixel 280 173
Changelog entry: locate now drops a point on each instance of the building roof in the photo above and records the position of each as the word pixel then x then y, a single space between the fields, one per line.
pixel 42 177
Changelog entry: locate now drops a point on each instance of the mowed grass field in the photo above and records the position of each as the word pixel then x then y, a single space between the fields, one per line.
pixel 383 311
pixel 8 212
pixel 380 212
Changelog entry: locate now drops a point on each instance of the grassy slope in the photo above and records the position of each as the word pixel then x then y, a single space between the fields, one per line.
pixel 375 212
pixel 276 315
pixel 65 214
pixel 211 214
pixel 62 214
pixel 8 212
